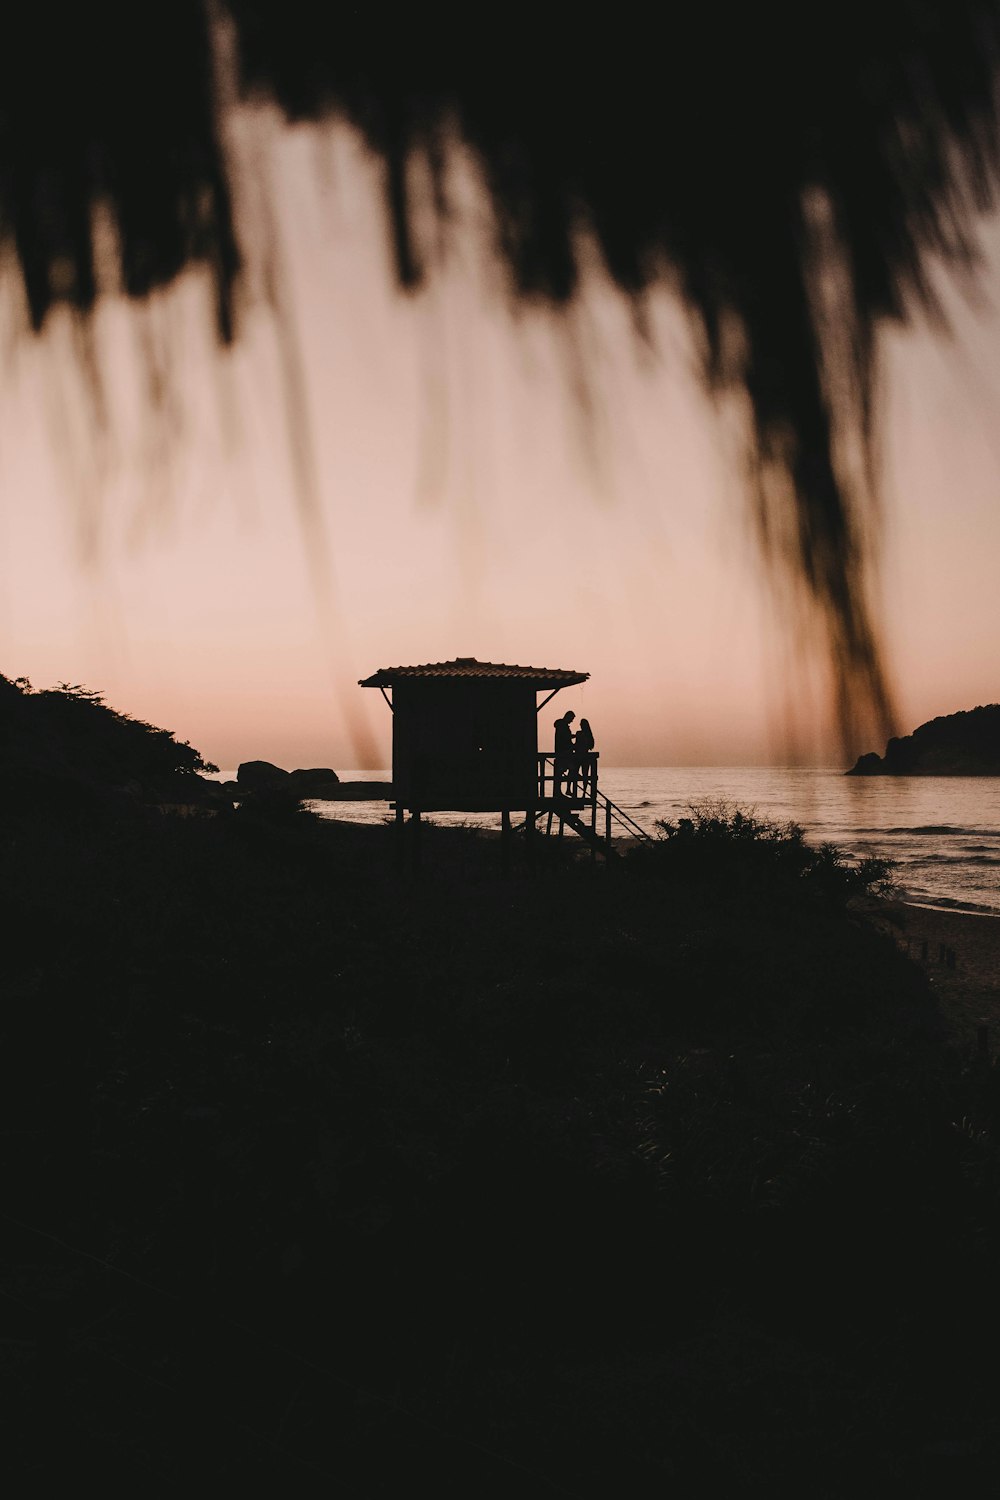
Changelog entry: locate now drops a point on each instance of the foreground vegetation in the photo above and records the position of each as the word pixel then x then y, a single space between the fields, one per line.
pixel 574 1181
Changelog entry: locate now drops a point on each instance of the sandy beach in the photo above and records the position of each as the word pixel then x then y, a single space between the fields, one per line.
pixel 970 991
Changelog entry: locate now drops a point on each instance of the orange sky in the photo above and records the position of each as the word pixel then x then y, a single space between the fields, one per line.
pixel 471 505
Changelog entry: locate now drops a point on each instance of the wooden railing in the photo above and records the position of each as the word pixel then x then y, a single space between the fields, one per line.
pixel 577 779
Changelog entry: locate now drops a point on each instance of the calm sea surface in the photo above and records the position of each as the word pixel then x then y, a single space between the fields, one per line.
pixel 943 832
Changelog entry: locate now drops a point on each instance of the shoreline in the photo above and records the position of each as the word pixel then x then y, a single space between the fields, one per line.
pixel 952 911
pixel 969 993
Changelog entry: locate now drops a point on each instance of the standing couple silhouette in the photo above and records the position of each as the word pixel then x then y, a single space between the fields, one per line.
pixel 573 756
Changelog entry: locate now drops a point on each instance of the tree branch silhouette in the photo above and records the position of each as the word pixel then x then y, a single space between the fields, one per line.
pixel 794 175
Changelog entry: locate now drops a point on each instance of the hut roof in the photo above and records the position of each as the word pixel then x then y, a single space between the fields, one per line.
pixel 465 667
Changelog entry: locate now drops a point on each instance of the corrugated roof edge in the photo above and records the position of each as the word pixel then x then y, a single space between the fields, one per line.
pixel 468 666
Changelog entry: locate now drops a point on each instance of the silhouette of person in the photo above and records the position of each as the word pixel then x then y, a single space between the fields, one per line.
pixel 563 768
pixel 583 744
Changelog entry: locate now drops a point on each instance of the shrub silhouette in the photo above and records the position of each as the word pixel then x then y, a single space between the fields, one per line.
pixel 734 851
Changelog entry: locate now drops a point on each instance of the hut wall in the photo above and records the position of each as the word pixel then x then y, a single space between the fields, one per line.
pixel 464 746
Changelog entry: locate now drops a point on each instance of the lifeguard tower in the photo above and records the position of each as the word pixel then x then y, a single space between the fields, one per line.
pixel 465 739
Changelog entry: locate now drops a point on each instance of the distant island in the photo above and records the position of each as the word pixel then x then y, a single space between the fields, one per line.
pixel 962 744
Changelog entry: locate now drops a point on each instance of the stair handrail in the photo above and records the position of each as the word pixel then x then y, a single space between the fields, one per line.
pixel 623 818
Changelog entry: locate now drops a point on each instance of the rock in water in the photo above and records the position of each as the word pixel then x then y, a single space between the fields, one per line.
pixel 260 775
pixel 318 782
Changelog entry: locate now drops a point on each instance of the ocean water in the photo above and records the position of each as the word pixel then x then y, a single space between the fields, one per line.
pixel 943 832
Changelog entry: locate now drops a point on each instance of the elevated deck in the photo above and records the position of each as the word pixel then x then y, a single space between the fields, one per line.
pixel 567 796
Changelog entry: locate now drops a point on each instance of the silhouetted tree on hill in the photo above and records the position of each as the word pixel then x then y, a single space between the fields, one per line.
pixel 962 744
pixel 69 736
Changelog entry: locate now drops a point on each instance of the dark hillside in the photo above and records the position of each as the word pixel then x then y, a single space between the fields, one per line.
pixel 962 744
pixel 575 1181
pixel 65 743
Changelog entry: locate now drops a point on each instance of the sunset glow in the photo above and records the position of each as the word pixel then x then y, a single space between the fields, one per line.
pixel 467 501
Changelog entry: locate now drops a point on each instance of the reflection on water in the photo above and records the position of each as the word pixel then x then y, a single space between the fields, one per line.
pixel 944 832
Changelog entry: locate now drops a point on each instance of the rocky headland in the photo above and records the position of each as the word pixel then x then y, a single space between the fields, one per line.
pixel 962 744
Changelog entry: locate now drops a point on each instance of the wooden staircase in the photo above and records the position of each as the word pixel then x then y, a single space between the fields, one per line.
pixel 598 829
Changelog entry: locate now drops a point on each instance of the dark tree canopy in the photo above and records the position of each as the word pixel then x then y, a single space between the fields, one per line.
pixel 792 171
pixel 69 735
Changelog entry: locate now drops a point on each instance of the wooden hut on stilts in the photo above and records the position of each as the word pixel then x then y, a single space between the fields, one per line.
pixel 465 739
